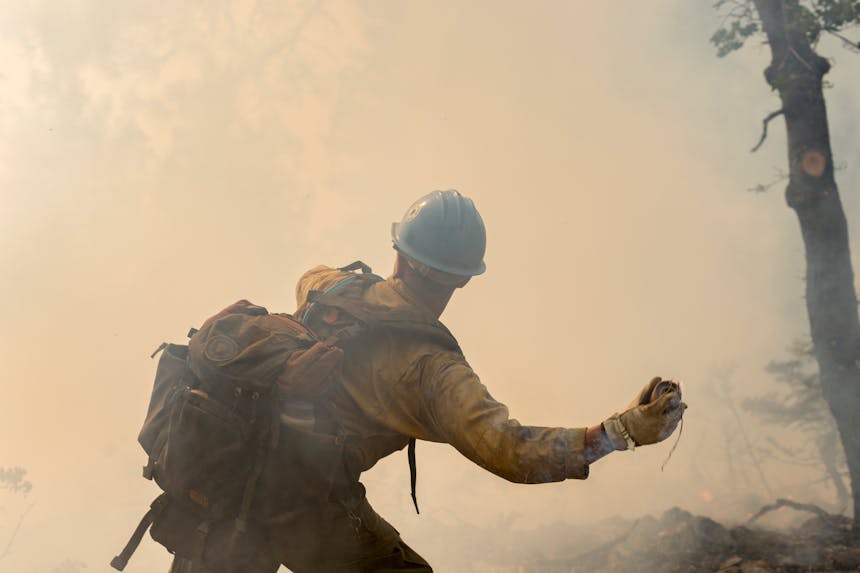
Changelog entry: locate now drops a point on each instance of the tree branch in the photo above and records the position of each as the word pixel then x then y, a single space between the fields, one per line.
pixel 847 42
pixel 740 426
pixel 794 505
pixel 12 537
pixel 764 123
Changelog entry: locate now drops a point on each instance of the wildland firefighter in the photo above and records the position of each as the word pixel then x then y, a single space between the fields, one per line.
pixel 259 430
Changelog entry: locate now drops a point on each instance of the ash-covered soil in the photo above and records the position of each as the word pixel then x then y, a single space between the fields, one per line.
pixel 679 542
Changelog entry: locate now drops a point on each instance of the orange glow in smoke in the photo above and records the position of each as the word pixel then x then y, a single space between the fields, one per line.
pixel 707 496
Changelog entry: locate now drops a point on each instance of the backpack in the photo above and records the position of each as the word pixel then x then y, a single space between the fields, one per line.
pixel 240 430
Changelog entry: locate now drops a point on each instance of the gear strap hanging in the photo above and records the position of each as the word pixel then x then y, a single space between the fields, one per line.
pixel 120 561
pixel 413 471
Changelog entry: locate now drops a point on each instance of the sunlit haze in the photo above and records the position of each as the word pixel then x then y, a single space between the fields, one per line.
pixel 158 162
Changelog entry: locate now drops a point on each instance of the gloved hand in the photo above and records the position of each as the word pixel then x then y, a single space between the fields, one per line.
pixel 650 418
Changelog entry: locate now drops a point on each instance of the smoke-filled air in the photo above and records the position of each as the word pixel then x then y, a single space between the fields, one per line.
pixel 559 202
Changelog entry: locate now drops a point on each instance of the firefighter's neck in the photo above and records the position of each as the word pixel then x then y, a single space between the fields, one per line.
pixel 432 295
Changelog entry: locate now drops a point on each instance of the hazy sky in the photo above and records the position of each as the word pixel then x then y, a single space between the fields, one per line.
pixel 158 163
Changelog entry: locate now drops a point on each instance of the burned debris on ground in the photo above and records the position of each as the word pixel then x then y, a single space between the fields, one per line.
pixel 679 542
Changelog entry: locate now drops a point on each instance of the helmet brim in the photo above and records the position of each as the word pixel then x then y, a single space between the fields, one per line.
pixel 404 247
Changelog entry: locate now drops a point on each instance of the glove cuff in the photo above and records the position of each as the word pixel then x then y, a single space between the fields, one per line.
pixel 618 434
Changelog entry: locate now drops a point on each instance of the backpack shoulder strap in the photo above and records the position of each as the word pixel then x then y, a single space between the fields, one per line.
pixel 356 265
pixel 380 317
pixel 352 284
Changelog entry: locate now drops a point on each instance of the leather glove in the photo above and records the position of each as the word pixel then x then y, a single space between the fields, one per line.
pixel 650 418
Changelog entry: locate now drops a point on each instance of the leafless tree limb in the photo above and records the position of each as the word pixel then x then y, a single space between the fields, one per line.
pixel 764 123
pixel 14 534
pixel 852 45
pixel 794 505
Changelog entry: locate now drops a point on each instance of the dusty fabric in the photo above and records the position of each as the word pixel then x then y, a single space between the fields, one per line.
pixel 348 537
pixel 261 565
pixel 397 386
pixel 243 346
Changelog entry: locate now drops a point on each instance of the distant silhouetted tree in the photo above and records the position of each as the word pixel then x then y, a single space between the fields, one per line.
pixel 792 29
pixel 800 405
pixel 13 480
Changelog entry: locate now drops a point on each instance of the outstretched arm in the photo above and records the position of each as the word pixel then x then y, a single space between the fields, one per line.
pixel 459 410
pixel 597 444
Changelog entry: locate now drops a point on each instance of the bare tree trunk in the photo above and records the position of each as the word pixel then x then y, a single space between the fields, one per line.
pixel 796 72
pixel 828 446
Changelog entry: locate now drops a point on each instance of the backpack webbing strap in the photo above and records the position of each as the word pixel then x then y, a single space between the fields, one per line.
pixel 365 270
pixel 413 471
pixel 241 524
pixel 201 535
pixel 120 561
pixel 349 282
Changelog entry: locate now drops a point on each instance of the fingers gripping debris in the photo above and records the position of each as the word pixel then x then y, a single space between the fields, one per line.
pixel 650 418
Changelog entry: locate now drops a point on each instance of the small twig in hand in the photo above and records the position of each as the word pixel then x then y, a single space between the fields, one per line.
pixel 674 446
pixel 764 123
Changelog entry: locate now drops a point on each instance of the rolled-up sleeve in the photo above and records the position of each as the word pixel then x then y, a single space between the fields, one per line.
pixel 459 410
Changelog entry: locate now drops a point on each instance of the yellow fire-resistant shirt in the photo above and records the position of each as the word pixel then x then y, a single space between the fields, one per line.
pixel 397 387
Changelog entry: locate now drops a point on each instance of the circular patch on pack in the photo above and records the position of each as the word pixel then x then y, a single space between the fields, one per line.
pixel 221 348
